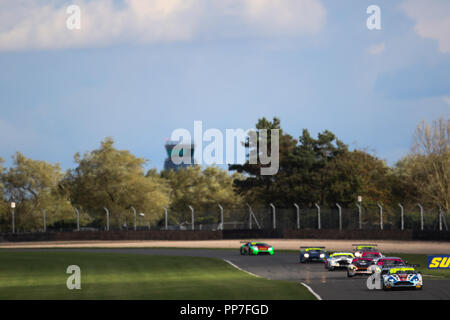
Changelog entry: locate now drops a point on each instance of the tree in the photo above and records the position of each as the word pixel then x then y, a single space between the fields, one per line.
pixel 301 176
pixel 203 190
pixel 425 171
pixel 33 185
pixel 115 179
pixel 354 173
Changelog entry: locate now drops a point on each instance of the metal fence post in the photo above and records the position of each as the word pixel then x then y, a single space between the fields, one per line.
pixel 221 216
pixel 401 217
pixel 107 218
pixel 78 218
pixel 421 216
pixel 298 215
pixel 340 215
pixel 440 219
pixel 381 215
pixel 45 220
pixel 134 215
pixel 359 215
pixel 274 222
pixel 319 226
pixel 249 216
pixel 165 218
pixel 192 217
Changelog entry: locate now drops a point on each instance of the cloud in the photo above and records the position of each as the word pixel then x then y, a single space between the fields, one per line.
pixel 446 99
pixel 28 24
pixel 376 48
pixel 432 20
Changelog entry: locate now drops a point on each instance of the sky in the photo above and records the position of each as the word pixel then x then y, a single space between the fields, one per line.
pixel 137 70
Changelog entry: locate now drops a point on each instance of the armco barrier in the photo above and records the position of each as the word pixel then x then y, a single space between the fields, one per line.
pixel 113 235
pixel 186 235
pixel 252 234
pixel 348 234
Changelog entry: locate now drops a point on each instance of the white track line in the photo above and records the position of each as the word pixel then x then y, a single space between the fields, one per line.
pixel 311 290
pixel 255 275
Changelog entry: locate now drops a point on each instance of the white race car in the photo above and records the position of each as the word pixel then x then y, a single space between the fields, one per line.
pixel 339 260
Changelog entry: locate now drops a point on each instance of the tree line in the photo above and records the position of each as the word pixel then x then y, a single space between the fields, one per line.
pixel 319 169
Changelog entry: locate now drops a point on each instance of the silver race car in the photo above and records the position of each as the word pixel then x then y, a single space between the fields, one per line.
pixel 339 260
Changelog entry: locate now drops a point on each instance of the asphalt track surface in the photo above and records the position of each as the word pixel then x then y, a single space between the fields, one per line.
pixel 329 285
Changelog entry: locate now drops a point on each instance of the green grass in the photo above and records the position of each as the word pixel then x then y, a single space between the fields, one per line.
pixel 422 260
pixel 42 275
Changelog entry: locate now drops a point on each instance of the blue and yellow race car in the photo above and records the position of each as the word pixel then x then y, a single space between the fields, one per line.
pixel 313 254
pixel 401 277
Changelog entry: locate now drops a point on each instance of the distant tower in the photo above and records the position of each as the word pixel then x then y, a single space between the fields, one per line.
pixel 168 164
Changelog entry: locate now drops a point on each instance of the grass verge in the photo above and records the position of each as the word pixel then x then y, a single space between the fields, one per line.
pixel 42 275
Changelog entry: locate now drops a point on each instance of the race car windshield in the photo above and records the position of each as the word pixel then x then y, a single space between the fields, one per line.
pixel 393 263
pixel 261 244
pixel 342 256
pixel 371 255
pixel 362 261
pixel 404 272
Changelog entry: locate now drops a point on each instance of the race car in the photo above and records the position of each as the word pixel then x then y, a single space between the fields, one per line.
pixel 255 248
pixel 371 255
pixel 385 262
pixel 401 277
pixel 312 254
pixel 361 248
pixel 359 266
pixel 339 260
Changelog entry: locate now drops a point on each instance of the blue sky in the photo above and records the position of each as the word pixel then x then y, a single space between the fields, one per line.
pixel 314 64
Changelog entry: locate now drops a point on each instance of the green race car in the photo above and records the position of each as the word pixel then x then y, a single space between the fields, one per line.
pixel 256 248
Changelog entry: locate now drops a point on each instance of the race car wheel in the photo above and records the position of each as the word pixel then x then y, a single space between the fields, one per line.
pixel 349 274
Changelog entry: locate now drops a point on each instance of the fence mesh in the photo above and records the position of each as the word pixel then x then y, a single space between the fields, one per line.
pixel 249 218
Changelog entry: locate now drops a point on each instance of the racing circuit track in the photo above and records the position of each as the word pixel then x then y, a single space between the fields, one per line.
pixel 285 266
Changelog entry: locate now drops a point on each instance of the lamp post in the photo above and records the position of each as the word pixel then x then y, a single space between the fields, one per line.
pixel 359 212
pixel 13 206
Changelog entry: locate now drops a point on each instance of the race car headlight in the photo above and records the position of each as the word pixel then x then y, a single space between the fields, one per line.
pixel 357 254
pixel 270 249
pixel 306 255
pixel 322 255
